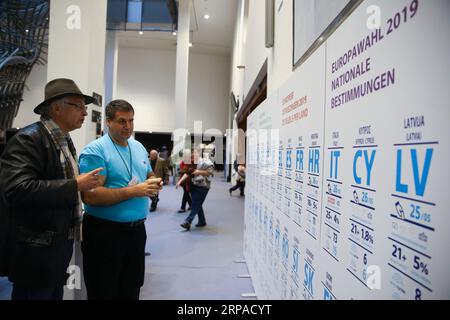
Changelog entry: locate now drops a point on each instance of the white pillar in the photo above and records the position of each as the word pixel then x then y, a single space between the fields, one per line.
pixel 242 36
pixel 112 54
pixel 76 50
pixel 77 34
pixel 182 66
pixel 239 73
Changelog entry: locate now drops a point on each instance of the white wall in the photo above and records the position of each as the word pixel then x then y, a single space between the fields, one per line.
pixel 77 51
pixel 209 85
pixel 33 95
pixel 279 66
pixel 238 58
pixel 249 43
pixel 146 78
pixel 249 49
pixel 255 51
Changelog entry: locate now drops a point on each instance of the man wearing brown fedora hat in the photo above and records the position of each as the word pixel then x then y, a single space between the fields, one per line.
pixel 40 189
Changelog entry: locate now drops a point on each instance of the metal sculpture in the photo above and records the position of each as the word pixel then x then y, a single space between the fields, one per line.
pixel 23 42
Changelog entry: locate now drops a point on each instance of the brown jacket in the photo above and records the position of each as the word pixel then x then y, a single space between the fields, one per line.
pixel 161 170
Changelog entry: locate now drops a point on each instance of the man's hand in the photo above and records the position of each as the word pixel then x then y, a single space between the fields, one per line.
pixel 158 182
pixel 88 181
pixel 149 187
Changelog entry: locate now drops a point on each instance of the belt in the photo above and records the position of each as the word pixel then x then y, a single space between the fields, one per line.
pixel 131 224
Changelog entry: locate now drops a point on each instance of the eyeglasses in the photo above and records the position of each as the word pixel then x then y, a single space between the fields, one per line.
pixel 77 106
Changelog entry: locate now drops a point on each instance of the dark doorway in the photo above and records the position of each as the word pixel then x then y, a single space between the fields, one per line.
pixel 218 164
pixel 155 140
pixel 158 140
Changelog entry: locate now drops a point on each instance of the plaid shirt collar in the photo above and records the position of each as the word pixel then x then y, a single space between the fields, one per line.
pixel 69 164
pixel 57 133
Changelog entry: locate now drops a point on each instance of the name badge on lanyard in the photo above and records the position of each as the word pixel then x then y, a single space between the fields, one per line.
pixel 133 182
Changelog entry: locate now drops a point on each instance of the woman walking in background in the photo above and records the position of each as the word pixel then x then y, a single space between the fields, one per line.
pixel 184 169
pixel 240 180
pixel 200 185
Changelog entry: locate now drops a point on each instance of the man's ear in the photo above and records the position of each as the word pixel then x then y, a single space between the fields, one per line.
pixel 55 107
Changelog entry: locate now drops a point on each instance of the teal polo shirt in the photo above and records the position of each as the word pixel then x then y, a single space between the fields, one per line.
pixel 120 167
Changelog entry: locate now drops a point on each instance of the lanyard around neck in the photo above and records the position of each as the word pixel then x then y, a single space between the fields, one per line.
pixel 130 171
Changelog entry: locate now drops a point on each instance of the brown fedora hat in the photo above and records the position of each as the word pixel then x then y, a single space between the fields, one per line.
pixel 59 88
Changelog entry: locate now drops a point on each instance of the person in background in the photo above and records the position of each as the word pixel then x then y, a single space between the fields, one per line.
pixel 209 150
pixel 240 180
pixel 185 168
pixel 160 170
pixel 114 235
pixel 40 204
pixel 164 153
pixel 174 160
pixel 200 185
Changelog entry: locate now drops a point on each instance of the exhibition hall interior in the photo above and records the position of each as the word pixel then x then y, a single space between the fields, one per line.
pixel 242 150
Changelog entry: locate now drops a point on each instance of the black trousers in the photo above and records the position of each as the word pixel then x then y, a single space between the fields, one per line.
pixel 113 258
pixel 186 198
pixel 20 292
pixel 155 200
pixel 239 185
pixel 26 293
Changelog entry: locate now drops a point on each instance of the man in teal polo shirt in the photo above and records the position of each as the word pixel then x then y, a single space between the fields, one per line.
pixel 113 225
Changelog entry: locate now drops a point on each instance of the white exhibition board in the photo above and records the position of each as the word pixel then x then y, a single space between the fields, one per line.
pixel 346 197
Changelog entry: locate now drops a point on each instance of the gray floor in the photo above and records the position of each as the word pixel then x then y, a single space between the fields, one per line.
pixel 194 265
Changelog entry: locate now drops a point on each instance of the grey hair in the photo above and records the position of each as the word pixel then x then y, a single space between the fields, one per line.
pixel 46 111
